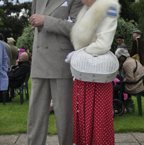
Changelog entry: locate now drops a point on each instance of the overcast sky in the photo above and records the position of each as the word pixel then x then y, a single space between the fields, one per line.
pixel 21 1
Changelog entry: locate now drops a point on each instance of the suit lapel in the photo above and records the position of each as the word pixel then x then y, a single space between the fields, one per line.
pixel 52 6
pixel 41 4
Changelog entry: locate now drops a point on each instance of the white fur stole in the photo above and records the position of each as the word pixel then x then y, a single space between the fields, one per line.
pixel 88 21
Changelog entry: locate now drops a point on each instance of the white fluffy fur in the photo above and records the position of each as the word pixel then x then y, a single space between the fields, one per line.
pixel 88 21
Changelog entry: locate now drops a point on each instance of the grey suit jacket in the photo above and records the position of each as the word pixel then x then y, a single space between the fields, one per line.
pixel 8 50
pixel 52 40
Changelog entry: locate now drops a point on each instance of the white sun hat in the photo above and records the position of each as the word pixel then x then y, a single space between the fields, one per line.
pixel 102 69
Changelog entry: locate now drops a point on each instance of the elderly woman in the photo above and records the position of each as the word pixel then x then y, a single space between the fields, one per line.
pixel 94 30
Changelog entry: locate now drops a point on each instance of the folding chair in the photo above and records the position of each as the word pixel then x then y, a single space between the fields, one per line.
pixel 24 84
pixel 138 95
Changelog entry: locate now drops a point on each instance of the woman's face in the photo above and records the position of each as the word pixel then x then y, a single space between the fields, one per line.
pixel 88 2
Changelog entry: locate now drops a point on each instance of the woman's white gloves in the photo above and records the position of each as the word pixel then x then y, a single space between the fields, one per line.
pixel 69 56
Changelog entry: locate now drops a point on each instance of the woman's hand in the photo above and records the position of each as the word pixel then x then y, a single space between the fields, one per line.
pixel 69 56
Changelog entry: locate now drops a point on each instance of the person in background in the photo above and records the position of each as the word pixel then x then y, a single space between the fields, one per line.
pixel 8 50
pixel 137 46
pixel 51 108
pixel 3 70
pixel 51 21
pixel 14 50
pixel 21 50
pixel 120 41
pixel 21 68
pixel 132 71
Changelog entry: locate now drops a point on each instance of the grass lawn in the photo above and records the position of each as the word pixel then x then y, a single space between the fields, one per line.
pixel 13 118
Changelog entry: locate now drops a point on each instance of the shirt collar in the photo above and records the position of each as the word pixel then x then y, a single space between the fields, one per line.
pixel 137 37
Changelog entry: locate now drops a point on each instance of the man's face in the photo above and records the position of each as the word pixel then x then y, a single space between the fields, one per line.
pixel 21 58
pixel 119 41
pixel 135 35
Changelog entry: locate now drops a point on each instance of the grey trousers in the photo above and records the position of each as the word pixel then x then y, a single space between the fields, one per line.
pixel 43 90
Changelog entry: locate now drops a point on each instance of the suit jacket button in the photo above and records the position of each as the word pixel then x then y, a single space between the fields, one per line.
pixel 46 47
pixel 37 46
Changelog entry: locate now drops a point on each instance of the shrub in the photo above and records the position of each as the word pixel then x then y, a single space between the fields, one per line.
pixel 26 39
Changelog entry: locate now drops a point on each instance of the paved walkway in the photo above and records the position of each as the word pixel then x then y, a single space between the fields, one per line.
pixel 120 139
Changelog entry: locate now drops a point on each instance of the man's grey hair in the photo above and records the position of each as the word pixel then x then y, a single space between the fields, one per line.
pixel 121 51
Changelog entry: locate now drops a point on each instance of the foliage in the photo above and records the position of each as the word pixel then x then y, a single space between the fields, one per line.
pixel 26 39
pixel 15 17
pixel 138 8
pixel 127 12
pixel 125 29
pixel 1 12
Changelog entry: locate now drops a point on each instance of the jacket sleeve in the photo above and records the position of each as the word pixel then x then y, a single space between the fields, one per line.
pixel 4 60
pixel 104 36
pixel 63 27
pixel 133 48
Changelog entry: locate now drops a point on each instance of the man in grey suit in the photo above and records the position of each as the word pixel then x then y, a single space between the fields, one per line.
pixel 51 77
pixel 8 50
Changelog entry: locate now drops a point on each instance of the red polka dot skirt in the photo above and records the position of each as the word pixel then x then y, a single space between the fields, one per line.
pixel 93 113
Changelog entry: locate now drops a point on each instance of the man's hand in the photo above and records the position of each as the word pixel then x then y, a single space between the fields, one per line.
pixel 37 20
pixel 17 61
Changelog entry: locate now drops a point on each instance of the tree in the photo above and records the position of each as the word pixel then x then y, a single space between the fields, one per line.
pixel 125 29
pixel 26 39
pixel 1 12
pixel 127 13
pixel 14 18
